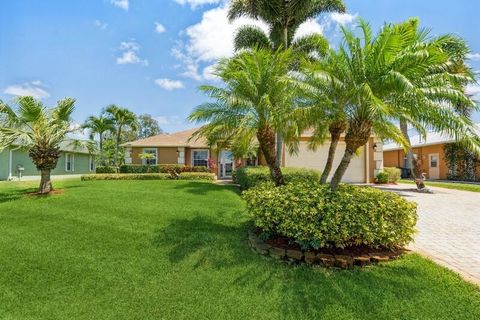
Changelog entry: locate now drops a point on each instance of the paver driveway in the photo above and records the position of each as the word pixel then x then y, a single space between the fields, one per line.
pixel 449 227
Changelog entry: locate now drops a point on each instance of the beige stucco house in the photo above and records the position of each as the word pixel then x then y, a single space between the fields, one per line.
pixel 178 148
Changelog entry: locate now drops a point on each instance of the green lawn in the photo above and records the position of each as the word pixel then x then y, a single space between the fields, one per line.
pixel 448 185
pixel 178 250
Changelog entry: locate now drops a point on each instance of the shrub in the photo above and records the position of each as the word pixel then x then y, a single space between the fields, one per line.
pixel 248 177
pixel 394 174
pixel 136 168
pixel 161 168
pixel 129 176
pixel 101 169
pixel 315 217
pixel 197 176
pixel 382 177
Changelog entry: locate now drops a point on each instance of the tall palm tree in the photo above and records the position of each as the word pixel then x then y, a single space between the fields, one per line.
pixel 39 130
pixel 99 125
pixel 122 118
pixel 283 18
pixel 382 74
pixel 255 102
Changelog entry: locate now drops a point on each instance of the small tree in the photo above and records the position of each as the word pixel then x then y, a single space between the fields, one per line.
pixel 122 119
pixel 39 130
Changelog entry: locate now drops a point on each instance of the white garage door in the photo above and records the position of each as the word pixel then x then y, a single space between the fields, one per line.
pixel 316 160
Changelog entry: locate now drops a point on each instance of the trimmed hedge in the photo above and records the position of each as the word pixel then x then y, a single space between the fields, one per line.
pixel 101 169
pixel 394 174
pixel 315 217
pixel 161 168
pixel 249 177
pixel 382 178
pixel 204 176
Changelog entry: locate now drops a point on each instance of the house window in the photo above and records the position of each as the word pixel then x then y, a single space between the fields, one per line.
pixel 152 160
pixel 91 164
pixel 200 158
pixel 69 162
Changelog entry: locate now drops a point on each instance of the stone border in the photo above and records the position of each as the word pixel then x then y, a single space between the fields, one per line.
pixel 293 256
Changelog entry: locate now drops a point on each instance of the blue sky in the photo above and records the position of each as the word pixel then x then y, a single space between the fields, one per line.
pixel 151 55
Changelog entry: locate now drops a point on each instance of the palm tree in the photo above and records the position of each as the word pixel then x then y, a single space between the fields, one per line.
pixel 255 102
pixel 283 18
pixel 382 74
pixel 122 118
pixel 99 125
pixel 39 130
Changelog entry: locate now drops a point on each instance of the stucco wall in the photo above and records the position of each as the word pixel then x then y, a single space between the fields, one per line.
pixel 4 163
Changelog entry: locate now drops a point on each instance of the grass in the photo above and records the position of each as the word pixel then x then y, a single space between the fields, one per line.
pixel 448 185
pixel 177 250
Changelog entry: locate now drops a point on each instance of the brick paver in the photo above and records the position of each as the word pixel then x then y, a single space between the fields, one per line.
pixel 448 228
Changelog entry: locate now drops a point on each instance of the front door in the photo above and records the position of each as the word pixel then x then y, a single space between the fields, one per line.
pixel 433 166
pixel 226 164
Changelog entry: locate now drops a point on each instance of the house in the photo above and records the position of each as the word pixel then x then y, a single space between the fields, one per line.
pixel 16 164
pixel 177 148
pixel 429 152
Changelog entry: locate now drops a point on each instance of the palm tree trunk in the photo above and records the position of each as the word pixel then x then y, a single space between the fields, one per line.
pixel 341 169
pixel 102 160
pixel 45 182
pixel 412 164
pixel 266 139
pixel 117 145
pixel 335 134
pixel 279 149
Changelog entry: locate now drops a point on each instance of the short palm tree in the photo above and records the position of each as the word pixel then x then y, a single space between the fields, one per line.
pixel 255 102
pixel 99 125
pixel 39 130
pixel 283 18
pixel 382 75
pixel 122 118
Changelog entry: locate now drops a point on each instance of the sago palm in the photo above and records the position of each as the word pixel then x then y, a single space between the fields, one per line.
pixel 122 118
pixel 99 125
pixel 283 18
pixel 39 130
pixel 255 102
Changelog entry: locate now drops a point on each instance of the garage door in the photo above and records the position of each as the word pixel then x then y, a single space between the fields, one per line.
pixel 316 160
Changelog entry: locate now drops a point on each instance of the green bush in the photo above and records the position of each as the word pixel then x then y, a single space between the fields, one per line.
pixel 127 176
pixel 161 168
pixel 382 177
pixel 207 176
pixel 101 169
pixel 315 217
pixel 394 174
pixel 248 177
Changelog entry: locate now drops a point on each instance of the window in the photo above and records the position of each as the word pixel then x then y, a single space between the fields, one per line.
pixel 91 164
pixel 433 161
pixel 200 158
pixel 69 162
pixel 152 160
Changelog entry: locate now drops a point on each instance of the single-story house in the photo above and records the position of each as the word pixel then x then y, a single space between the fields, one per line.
pixel 16 164
pixel 178 148
pixel 429 152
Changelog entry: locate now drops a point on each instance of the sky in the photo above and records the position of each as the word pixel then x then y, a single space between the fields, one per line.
pixel 152 55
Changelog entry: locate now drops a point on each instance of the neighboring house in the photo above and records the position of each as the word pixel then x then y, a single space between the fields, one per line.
pixel 16 164
pixel 176 148
pixel 430 152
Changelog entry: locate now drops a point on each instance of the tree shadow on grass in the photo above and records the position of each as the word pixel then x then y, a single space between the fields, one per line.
pixel 203 188
pixel 382 292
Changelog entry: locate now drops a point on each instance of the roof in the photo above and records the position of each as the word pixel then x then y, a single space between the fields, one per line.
pixel 177 139
pixel 433 138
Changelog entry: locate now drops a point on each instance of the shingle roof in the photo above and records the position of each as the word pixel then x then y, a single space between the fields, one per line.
pixel 177 139
pixel 433 138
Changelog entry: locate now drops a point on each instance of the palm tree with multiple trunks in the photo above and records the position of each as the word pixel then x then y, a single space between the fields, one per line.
pixel 99 125
pixel 122 118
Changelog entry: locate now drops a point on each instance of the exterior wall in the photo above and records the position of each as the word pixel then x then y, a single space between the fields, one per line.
pixel 396 158
pixel 20 158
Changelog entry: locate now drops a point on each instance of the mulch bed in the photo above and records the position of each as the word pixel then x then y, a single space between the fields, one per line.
pixel 282 248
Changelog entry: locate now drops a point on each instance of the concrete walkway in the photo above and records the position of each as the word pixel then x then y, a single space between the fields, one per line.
pixel 449 228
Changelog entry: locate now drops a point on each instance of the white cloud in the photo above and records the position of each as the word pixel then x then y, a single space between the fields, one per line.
pixel 473 90
pixel 168 120
pixel 169 84
pixel 159 28
pixel 35 89
pixel 309 27
pixel 129 55
pixel 209 73
pixel 196 3
pixel 343 18
pixel 122 4
pixel 100 25
pixel 474 56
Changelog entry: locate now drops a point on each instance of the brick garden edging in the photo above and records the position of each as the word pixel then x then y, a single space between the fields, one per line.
pixel 328 260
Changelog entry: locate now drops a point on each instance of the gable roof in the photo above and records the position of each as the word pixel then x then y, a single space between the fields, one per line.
pixel 433 138
pixel 176 139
